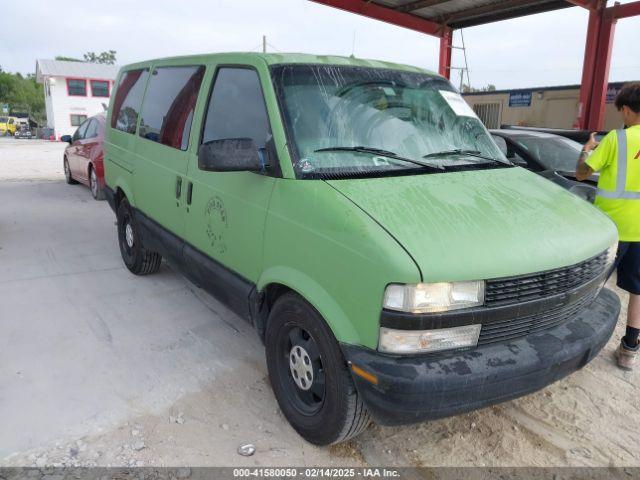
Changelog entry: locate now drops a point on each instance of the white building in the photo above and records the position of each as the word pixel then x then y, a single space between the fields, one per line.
pixel 74 91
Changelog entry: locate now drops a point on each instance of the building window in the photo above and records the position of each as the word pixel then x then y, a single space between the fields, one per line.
pixel 99 88
pixel 77 87
pixel 77 120
pixel 126 105
pixel 167 110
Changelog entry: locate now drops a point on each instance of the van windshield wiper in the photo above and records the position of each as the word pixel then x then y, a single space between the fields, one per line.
pixel 382 153
pixel 459 151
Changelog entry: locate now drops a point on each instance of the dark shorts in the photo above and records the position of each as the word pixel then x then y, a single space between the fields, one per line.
pixel 627 265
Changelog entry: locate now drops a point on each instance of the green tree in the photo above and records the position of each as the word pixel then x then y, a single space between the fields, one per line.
pixel 108 57
pixel 22 95
pixel 470 89
pixel 67 59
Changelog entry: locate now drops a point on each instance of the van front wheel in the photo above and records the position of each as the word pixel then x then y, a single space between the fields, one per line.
pixel 138 260
pixel 309 375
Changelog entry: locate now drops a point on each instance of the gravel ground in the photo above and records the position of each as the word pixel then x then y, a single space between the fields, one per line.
pixel 98 367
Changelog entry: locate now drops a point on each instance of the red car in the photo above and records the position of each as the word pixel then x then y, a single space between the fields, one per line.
pixel 83 158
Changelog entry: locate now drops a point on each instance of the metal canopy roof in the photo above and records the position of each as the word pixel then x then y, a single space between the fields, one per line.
pixel 441 17
pixel 467 13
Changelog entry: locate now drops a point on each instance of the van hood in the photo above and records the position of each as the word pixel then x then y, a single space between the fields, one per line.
pixel 482 224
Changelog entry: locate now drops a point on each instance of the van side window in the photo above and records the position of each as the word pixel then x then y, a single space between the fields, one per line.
pixel 167 109
pixel 237 108
pixel 126 104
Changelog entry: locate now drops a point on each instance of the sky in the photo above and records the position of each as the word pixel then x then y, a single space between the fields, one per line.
pixel 540 50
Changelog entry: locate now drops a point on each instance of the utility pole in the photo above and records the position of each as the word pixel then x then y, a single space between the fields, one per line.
pixel 264 44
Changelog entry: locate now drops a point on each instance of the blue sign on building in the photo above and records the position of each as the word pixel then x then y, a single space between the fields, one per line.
pixel 612 93
pixel 520 99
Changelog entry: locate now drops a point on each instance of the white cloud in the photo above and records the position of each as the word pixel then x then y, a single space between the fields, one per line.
pixel 544 49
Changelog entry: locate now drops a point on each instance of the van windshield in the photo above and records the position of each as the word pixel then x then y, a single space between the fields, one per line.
pixel 345 120
pixel 3 119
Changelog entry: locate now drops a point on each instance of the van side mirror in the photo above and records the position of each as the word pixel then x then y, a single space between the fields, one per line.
pixel 66 138
pixel 230 155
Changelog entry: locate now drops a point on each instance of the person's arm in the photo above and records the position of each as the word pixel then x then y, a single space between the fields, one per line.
pixel 584 171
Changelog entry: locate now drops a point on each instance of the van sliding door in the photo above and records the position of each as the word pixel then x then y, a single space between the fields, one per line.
pixel 162 150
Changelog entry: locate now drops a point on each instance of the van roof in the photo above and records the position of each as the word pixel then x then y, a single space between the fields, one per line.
pixel 285 58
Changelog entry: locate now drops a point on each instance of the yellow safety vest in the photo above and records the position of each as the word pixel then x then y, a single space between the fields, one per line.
pixel 617 158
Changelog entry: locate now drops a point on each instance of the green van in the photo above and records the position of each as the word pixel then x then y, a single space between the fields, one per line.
pixel 358 214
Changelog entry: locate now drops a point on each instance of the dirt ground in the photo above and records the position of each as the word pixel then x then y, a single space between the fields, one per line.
pixel 98 367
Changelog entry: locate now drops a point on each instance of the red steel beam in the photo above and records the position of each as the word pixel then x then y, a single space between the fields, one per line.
pixel 590 4
pixel 372 10
pixel 595 120
pixel 446 47
pixel 625 10
pixel 588 67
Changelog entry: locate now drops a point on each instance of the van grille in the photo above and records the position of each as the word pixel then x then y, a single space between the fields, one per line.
pixel 509 329
pixel 512 290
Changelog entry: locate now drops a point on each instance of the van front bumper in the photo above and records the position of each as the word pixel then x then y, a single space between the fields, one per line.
pixel 412 389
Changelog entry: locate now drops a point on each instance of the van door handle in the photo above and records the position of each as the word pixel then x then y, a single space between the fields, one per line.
pixel 189 193
pixel 178 187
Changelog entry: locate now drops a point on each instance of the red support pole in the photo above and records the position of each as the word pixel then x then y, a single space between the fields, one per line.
pixel 446 46
pixel 588 67
pixel 595 120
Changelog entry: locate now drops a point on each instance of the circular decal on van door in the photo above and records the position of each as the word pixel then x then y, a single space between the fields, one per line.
pixel 217 224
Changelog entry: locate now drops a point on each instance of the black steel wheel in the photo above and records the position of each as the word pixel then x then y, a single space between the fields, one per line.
pixel 306 383
pixel 309 375
pixel 138 260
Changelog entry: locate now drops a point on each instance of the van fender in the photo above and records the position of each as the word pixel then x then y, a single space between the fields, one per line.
pixel 122 184
pixel 316 295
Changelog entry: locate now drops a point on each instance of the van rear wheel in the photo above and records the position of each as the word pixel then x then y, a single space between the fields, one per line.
pixel 309 375
pixel 138 259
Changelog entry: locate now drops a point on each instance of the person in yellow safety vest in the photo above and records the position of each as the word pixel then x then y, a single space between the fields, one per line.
pixel 617 158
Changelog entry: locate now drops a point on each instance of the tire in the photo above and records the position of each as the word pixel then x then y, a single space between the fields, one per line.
pixel 327 409
pixel 94 185
pixel 67 173
pixel 138 260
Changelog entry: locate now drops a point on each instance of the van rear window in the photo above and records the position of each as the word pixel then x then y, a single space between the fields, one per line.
pixel 167 109
pixel 126 105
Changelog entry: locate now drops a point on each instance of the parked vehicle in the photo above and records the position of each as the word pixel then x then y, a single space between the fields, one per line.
pixel 83 159
pixel 580 136
pixel 361 217
pixel 7 125
pixel 23 131
pixel 551 156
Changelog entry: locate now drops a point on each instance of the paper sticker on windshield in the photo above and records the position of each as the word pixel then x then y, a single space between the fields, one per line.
pixel 457 104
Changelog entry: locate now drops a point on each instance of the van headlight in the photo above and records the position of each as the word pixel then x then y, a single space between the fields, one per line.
pixel 427 341
pixel 433 297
